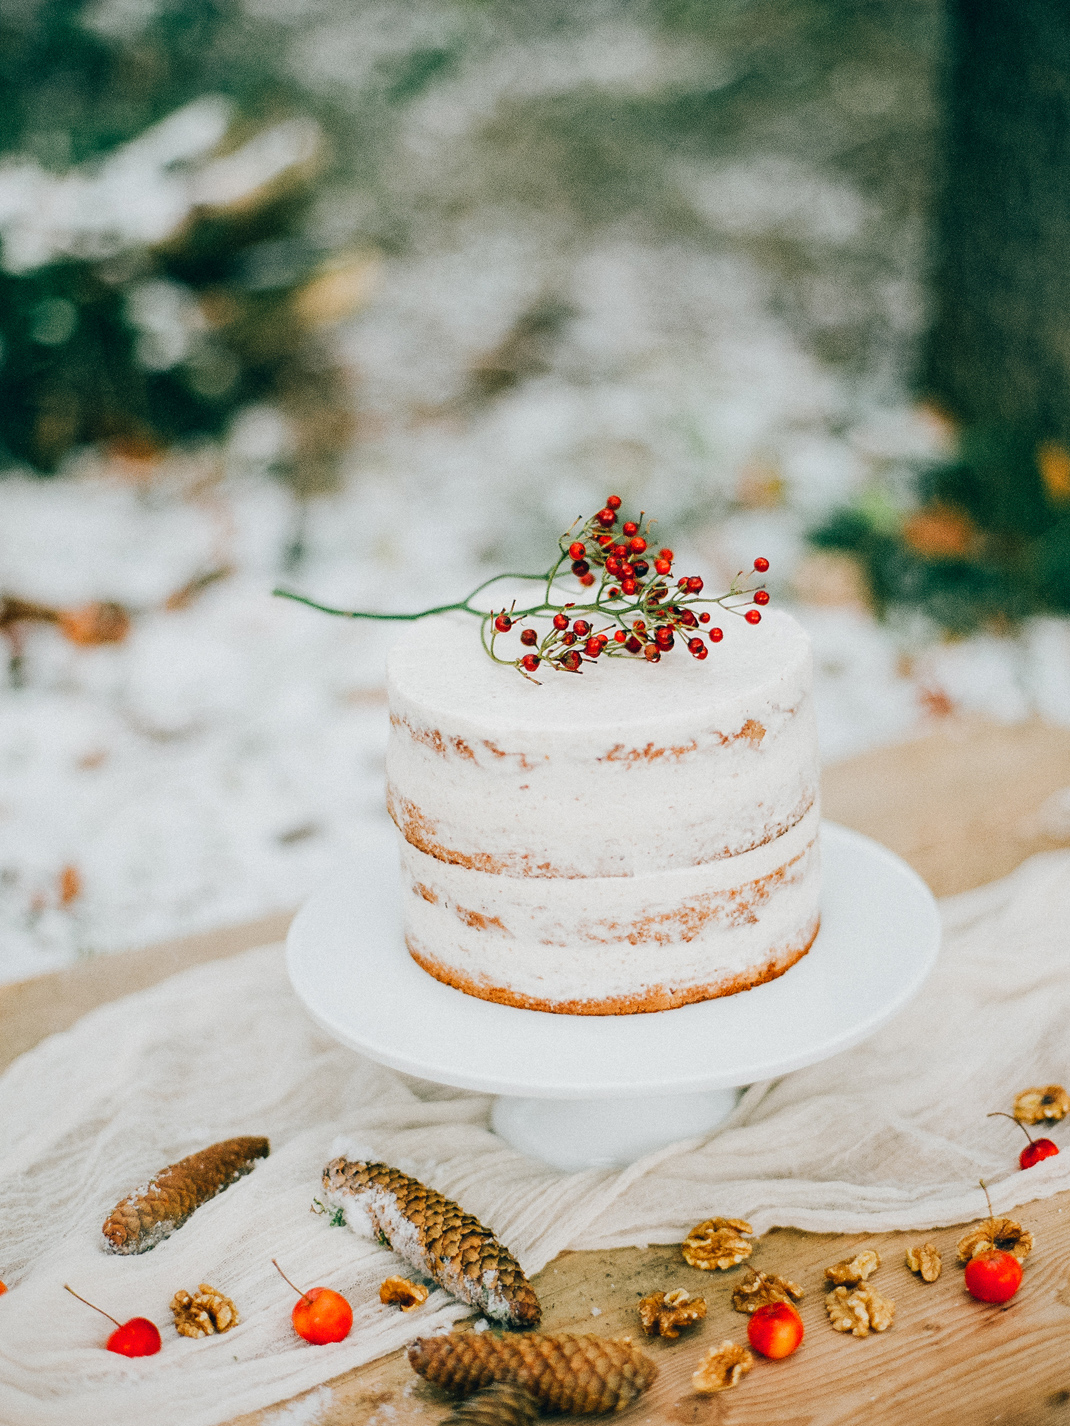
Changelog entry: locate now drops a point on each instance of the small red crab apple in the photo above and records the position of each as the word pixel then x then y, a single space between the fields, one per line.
pixel 994 1276
pixel 136 1338
pixel 320 1315
pixel 775 1330
pixel 1035 1150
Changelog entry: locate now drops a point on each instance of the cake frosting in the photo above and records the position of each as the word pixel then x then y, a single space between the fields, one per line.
pixel 631 838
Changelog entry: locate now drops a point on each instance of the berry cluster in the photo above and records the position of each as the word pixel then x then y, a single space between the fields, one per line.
pixel 643 610
pixel 631 595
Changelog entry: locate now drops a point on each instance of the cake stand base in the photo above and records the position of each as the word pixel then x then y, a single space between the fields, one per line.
pixel 581 1091
pixel 574 1134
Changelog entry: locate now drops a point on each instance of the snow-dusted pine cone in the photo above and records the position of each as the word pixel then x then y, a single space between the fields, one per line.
pixel 500 1404
pixel 575 1375
pixel 435 1235
pixel 152 1213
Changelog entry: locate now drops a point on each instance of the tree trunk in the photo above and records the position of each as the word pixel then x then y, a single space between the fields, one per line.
pixel 999 351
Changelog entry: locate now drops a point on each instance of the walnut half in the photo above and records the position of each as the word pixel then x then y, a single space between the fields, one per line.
pixel 757 1289
pixel 203 1313
pixel 1002 1233
pixel 664 1313
pixel 717 1243
pixel 859 1310
pixel 408 1295
pixel 1049 1102
pixel 854 1270
pixel 721 1369
pixel 925 1260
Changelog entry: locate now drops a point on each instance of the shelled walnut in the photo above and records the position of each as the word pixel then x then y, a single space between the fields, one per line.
pixel 851 1271
pixel 721 1369
pixel 408 1295
pixel 757 1289
pixel 203 1313
pixel 664 1313
pixel 1004 1234
pixel 1046 1103
pixel 859 1310
pixel 925 1260
pixel 717 1243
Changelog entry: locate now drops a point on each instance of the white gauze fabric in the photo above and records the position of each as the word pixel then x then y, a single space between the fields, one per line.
pixel 890 1135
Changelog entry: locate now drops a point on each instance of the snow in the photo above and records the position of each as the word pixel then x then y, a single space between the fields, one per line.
pixel 227 756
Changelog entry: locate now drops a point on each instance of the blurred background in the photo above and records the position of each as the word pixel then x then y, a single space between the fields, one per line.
pixel 374 299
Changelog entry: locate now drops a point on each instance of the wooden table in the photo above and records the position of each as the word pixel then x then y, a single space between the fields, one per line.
pixel 957 805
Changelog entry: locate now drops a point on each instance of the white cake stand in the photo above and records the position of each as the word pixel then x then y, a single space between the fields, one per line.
pixel 585 1090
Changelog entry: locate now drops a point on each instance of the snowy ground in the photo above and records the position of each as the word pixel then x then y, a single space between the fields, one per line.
pixel 227 755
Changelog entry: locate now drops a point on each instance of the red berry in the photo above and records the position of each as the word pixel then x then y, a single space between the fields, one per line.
pixel 993 1276
pixel 701 651
pixel 593 647
pixel 761 564
pixel 775 1330
pixel 630 527
pixel 577 550
pixel 629 586
pixel 580 567
pixel 571 661
pixel 607 518
pixel 662 566
pixel 620 636
pixel 716 635
pixel 620 551
pixel 694 585
pixel 613 593
pixel 637 545
pixel 639 625
pixel 530 662
pixel 503 623
pixel 136 1338
pixel 633 645
pixel 651 653
pixel 587 580
pixel 560 621
pixel 529 637
pixel 613 502
pixel 320 1315
pixel 666 555
pixel 568 638
pixel 663 637
pixel 1035 1151
pixel 704 618
pixel 761 596
pixel 582 628
pixel 697 647
pixel 605 540
pixel 688 619
pixel 752 616
pixel 681 583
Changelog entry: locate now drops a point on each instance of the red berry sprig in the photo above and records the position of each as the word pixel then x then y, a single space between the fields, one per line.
pixel 632 610
pixel 137 1337
pixel 1035 1150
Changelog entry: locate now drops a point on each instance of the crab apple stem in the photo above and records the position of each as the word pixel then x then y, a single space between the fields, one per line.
pixel 987 1199
pixel 93 1305
pixel 293 1285
pixel 999 1113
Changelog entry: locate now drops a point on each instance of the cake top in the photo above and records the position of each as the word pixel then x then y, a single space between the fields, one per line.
pixel 436 666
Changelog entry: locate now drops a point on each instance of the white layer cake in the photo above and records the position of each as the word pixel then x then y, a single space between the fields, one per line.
pixel 631 838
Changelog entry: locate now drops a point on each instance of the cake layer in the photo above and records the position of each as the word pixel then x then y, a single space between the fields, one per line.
pixel 625 769
pixel 616 945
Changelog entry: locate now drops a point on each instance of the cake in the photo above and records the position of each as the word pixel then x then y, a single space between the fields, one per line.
pixel 632 838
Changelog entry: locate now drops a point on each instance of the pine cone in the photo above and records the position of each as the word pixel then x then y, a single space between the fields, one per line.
pixel 436 1236
pixel 500 1404
pixel 152 1213
pixel 575 1375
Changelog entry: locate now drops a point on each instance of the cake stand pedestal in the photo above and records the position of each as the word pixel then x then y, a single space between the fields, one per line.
pixel 580 1091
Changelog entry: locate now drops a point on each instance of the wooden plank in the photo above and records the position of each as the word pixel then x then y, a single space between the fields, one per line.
pixel 946 1360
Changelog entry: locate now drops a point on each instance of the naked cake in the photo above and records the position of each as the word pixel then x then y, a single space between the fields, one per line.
pixel 633 838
